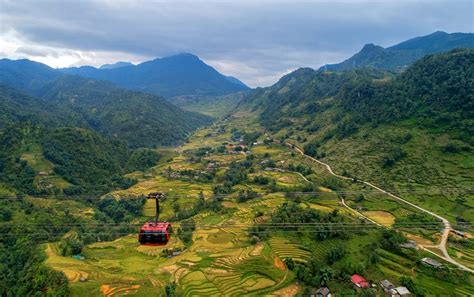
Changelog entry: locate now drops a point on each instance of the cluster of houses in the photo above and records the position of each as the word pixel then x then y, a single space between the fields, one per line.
pixel 361 283
pixel 237 149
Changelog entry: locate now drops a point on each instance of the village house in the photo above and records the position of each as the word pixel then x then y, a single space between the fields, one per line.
pixel 459 233
pixel 359 281
pixel 431 262
pixel 400 292
pixel 410 244
pixel 321 292
pixel 386 285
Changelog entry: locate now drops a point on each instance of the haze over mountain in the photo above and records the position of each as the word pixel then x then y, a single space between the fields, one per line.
pixel 178 75
pixel 115 65
pixel 399 56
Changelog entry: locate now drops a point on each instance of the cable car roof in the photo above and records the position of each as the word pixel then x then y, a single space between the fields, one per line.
pixel 155 226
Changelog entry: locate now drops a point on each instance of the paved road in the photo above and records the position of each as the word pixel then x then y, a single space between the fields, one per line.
pixel 447 226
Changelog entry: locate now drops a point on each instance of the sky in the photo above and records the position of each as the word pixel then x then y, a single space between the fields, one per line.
pixel 255 41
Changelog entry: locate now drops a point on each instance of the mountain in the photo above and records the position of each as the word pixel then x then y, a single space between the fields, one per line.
pixel 408 130
pixel 20 107
pixel 135 118
pixel 115 65
pixel 178 75
pixel 25 74
pixel 138 119
pixel 399 56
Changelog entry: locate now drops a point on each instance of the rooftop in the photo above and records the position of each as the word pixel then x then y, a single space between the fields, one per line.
pixel 359 281
pixel 431 262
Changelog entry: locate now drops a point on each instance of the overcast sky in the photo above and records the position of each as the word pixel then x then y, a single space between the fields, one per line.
pixel 256 41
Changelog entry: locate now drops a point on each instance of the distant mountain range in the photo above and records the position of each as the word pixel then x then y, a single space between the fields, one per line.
pixel 398 57
pixel 33 92
pixel 178 75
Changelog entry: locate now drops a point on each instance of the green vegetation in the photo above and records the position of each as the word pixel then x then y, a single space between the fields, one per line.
pixel 405 132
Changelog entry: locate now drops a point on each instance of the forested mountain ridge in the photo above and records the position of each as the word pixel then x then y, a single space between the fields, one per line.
pixel 178 75
pixel 135 118
pixel 437 89
pixel 399 56
pixel 138 119
pixel 383 127
pixel 37 160
pixel 18 107
pixel 25 74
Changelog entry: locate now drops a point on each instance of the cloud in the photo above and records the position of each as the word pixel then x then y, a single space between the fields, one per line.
pixel 255 41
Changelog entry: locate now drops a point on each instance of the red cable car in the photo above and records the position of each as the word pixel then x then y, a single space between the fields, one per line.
pixel 155 233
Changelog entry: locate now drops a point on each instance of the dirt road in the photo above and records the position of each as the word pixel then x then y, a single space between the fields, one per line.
pixel 447 226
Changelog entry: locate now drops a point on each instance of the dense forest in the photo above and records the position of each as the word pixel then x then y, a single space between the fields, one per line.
pixel 134 118
pixel 437 90
pixel 90 163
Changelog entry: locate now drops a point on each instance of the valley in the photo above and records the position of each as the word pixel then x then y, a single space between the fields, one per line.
pixel 221 254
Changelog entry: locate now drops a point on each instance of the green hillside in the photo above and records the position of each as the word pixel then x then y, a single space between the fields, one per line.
pixel 73 161
pixel 214 106
pixel 134 118
pixel 137 119
pixel 407 132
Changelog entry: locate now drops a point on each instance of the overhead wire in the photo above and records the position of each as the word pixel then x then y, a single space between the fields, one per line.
pixel 175 196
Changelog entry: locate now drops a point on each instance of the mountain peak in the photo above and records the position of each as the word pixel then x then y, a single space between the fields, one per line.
pixel 370 47
pixel 171 76
pixel 438 33
pixel 398 56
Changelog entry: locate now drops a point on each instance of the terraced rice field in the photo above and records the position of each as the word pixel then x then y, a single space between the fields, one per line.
pixel 285 249
pixel 463 255
pixel 382 217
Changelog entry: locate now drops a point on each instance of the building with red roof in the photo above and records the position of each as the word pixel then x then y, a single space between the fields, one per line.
pixel 359 281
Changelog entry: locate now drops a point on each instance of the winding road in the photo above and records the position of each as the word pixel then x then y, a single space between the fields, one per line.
pixel 447 225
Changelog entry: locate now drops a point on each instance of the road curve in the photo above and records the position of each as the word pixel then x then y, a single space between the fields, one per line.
pixel 447 225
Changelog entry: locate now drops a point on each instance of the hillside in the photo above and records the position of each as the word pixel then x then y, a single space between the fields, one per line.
pixel 399 56
pixel 42 161
pixel 214 106
pixel 20 107
pixel 178 75
pixel 137 119
pixel 411 131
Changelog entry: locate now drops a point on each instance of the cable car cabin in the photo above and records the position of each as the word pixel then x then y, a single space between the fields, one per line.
pixel 155 233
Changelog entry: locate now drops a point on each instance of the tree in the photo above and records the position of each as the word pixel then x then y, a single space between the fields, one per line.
pixel 411 285
pixel 325 274
pixel 170 289
pixel 335 254
pixel 290 264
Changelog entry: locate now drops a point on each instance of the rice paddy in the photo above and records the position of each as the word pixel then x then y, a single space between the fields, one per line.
pixel 382 217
